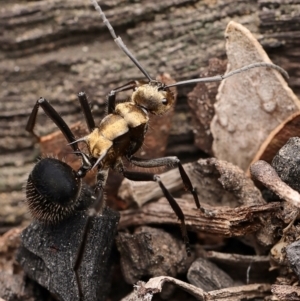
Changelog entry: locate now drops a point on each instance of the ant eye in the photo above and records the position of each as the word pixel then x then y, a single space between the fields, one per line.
pixel 164 101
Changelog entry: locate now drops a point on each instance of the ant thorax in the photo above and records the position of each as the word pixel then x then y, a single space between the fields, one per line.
pixel 114 136
pixel 132 114
pixel 153 97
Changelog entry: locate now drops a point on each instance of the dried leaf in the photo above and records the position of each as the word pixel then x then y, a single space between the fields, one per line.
pixel 249 106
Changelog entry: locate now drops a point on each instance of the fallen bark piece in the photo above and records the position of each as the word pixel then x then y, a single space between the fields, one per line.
pixel 266 174
pixel 250 105
pixel 145 291
pixel 286 292
pixel 223 221
pixel 151 252
pixel 208 276
pixel 217 182
pixel 233 179
pixel 48 254
pixel 239 293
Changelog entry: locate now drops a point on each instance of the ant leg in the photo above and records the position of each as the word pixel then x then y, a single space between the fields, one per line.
pixel 143 176
pixel 111 99
pixel 95 209
pixel 170 161
pixel 86 111
pixel 55 117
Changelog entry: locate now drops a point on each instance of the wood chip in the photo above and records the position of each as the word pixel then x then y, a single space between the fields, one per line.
pixel 208 276
pixel 224 221
pixel 266 174
pixel 145 291
pixel 151 252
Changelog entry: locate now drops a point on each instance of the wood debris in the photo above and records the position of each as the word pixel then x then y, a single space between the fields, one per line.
pixel 145 291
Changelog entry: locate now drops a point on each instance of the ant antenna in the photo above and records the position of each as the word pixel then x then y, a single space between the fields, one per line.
pixel 118 40
pixel 221 77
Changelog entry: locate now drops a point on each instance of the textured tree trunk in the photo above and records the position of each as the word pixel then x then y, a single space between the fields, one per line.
pixel 57 48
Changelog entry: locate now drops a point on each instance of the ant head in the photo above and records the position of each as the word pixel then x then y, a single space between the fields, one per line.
pixel 52 191
pixel 155 97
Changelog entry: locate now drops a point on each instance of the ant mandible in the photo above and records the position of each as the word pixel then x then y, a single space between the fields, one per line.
pixel 53 188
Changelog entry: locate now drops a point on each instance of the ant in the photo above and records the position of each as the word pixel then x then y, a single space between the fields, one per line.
pixel 54 189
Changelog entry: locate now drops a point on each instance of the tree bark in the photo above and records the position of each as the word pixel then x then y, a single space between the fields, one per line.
pixel 56 49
